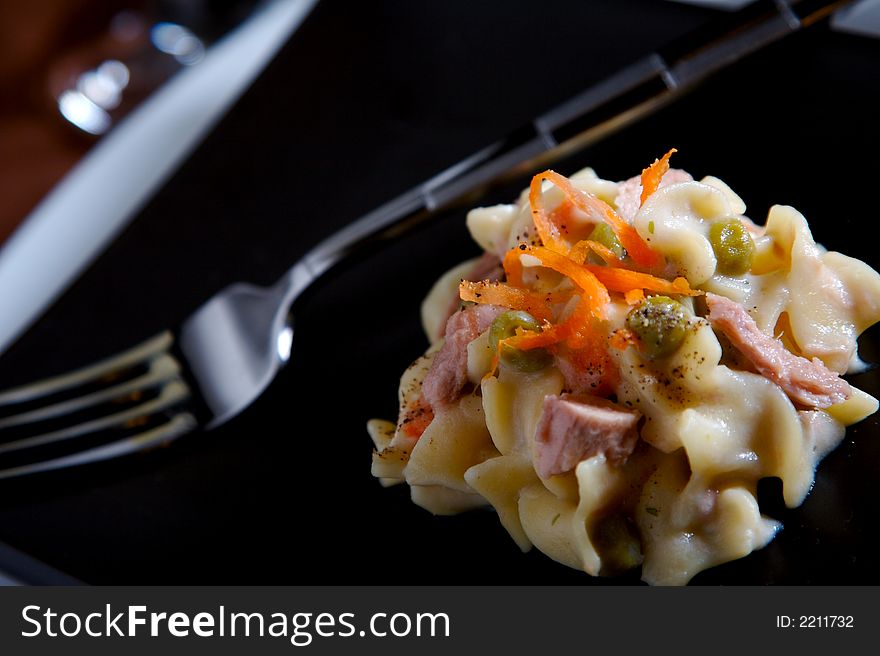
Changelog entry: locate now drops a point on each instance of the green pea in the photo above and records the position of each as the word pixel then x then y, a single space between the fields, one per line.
pixel 504 326
pixel 733 246
pixel 660 325
pixel 616 539
pixel 603 234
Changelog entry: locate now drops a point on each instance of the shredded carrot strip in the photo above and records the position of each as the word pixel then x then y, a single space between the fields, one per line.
pixel 524 341
pixel 583 338
pixel 652 175
pixel 513 267
pixel 547 230
pixel 624 280
pixel 498 293
pixel 581 249
pixel 579 332
pixel 418 417
pixel 634 296
pixel 637 248
pixel 561 216
pixel 496 359
pixel 578 329
pixel 549 336
pixel 621 339
pixel 579 252
pixel 527 341
pixel 594 291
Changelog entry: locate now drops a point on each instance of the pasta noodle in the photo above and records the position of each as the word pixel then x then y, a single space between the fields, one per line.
pixel 646 357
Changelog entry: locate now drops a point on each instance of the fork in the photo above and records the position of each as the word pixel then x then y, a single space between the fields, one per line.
pixel 198 375
pixel 226 353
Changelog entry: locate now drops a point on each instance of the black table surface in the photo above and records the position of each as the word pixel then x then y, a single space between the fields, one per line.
pixel 366 100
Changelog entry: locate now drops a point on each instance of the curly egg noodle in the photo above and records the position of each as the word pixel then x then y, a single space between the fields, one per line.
pixel 609 452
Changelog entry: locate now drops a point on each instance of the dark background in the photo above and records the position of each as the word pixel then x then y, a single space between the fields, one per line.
pixel 365 101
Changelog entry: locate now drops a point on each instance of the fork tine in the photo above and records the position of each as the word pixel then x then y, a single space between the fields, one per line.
pixel 173 393
pixel 180 424
pixel 161 369
pixel 80 397
pixel 139 354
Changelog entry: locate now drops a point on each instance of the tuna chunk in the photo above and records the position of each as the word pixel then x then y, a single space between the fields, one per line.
pixel 808 383
pixel 487 267
pixel 447 376
pixel 581 376
pixel 629 192
pixel 574 428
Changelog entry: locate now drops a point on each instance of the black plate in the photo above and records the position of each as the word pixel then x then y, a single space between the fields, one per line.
pixel 283 493
pixel 799 137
